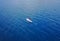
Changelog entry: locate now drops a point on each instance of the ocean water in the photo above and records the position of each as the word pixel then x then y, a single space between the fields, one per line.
pixel 45 16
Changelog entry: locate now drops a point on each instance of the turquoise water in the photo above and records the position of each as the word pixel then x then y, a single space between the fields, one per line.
pixel 45 16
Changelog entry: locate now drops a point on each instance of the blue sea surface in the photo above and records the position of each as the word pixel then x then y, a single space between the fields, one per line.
pixel 45 16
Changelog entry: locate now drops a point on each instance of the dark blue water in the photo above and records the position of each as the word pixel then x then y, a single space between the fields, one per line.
pixel 45 15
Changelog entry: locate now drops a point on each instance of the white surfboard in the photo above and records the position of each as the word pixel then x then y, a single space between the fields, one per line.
pixel 28 19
